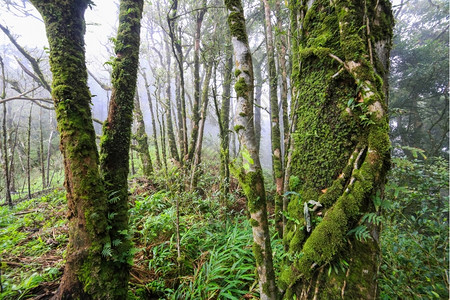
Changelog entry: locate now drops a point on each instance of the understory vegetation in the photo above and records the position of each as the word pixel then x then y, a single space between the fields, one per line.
pixel 216 260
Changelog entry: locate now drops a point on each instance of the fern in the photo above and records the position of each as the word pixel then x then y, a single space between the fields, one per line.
pixel 361 233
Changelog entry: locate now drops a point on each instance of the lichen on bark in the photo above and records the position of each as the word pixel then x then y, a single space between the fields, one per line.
pixel 341 144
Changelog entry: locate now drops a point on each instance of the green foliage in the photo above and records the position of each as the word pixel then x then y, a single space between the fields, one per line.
pixel 32 229
pixel 415 236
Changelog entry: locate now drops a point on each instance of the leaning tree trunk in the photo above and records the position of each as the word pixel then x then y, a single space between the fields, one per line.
pixel 83 276
pixel 250 174
pixel 341 148
pixel 115 143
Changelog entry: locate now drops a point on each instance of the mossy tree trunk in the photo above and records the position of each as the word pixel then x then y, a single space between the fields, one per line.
pixel 142 139
pixel 197 96
pixel 178 53
pixel 115 143
pixel 275 135
pixel 250 173
pixel 224 124
pixel 341 147
pixel 197 158
pixel 168 106
pixel 86 198
pixel 97 264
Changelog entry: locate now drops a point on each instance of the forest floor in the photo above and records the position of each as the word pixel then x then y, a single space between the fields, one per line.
pixel 216 258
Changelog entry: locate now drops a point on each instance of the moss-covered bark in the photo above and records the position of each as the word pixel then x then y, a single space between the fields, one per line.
pixel 341 146
pixel 115 143
pixel 142 139
pixel 224 125
pixel 250 173
pixel 84 277
pixel 275 121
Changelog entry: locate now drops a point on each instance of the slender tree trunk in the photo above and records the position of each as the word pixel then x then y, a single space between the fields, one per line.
pixel 224 124
pixel 49 153
pixel 341 148
pixel 258 94
pixel 198 146
pixel 6 159
pixel 4 148
pixel 281 46
pixel 197 96
pixel 250 174
pixel 275 121
pixel 41 150
pixel 168 106
pixel 29 152
pixel 155 136
pixel 115 143
pixel 178 53
pixel 141 138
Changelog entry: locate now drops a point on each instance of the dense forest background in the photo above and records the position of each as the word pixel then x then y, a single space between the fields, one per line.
pixel 192 238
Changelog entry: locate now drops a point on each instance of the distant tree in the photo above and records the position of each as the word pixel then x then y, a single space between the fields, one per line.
pixel 420 78
pixel 341 148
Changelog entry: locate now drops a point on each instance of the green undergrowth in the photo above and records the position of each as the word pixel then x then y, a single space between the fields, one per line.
pixel 415 236
pixel 216 259
pixel 33 238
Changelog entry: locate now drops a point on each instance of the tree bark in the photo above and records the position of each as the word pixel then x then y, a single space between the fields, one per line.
pixel 275 121
pixel 5 149
pixel 250 174
pixel 142 139
pixel 198 145
pixel 86 199
pixel 197 96
pixel 115 143
pixel 178 53
pixel 224 124
pixel 28 153
pixel 168 107
pixel 341 148
pixel 152 114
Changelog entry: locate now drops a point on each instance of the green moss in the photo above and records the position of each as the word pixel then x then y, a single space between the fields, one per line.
pixel 254 223
pixel 238 127
pixel 236 21
pixel 257 252
pixel 241 87
pixel 237 72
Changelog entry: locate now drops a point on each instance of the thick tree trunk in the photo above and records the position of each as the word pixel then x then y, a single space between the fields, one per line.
pixel 250 174
pixel 142 139
pixel 341 148
pixel 275 121
pixel 115 143
pixel 84 277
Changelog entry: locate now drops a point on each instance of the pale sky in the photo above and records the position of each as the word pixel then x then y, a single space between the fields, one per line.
pixel 101 21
